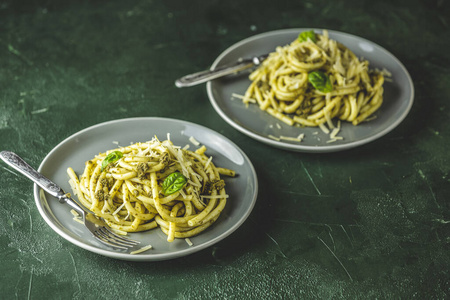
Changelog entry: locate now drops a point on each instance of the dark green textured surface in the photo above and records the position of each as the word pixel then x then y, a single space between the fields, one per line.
pixel 368 223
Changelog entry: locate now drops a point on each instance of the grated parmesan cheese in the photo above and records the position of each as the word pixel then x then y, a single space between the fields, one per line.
pixel 335 139
pixel 208 162
pixel 215 197
pixel 242 98
pixel 288 138
pixel 177 152
pixel 194 141
pixel 118 209
pixel 334 133
pixel 73 187
pixel 145 248
pixel 118 231
pixel 234 95
pixel 299 138
pixel 274 137
pixel 324 128
pixel 200 178
pixel 194 183
pixel 77 219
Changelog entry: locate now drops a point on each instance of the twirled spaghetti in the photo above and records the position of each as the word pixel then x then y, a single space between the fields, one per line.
pixel 129 193
pixel 282 85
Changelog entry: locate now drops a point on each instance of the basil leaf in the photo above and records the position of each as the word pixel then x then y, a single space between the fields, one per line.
pixel 110 158
pixel 173 183
pixel 305 35
pixel 320 81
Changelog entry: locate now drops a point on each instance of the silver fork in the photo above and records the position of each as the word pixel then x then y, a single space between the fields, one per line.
pixel 99 229
pixel 204 76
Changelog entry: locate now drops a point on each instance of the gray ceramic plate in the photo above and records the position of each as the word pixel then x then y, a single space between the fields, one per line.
pixel 80 147
pixel 398 95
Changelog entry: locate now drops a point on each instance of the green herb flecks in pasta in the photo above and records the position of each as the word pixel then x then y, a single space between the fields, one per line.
pixel 128 194
pixel 110 158
pixel 173 183
pixel 305 35
pixel 310 83
pixel 320 81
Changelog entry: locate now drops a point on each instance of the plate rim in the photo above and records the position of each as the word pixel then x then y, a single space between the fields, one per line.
pixel 307 148
pixel 145 257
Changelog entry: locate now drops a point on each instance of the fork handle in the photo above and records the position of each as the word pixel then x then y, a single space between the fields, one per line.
pixel 204 76
pixel 20 165
pixel 46 184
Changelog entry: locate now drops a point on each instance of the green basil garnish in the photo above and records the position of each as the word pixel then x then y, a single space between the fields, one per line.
pixel 320 81
pixel 110 158
pixel 305 35
pixel 173 183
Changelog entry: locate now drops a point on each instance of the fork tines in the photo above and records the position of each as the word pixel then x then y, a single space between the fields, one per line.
pixel 112 239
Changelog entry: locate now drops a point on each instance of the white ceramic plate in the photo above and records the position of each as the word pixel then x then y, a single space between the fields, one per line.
pixel 80 147
pixel 398 95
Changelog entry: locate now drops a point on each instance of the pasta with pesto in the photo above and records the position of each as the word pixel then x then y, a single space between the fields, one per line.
pixel 313 80
pixel 153 184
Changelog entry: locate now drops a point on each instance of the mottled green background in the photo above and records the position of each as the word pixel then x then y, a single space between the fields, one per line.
pixel 368 223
